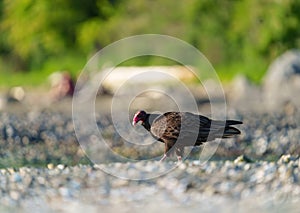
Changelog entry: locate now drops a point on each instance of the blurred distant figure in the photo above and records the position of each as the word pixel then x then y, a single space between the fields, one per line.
pixel 14 95
pixel 62 85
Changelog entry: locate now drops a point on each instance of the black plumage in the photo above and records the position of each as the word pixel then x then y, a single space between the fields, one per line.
pixel 179 129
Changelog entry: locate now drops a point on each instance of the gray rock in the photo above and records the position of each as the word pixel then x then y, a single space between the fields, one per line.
pixel 282 81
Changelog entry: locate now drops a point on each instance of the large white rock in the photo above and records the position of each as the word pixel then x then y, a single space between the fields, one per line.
pixel 148 75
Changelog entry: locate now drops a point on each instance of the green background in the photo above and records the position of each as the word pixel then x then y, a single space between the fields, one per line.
pixel 238 37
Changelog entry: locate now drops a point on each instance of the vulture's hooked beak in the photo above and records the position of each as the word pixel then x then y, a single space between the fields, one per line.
pixel 135 122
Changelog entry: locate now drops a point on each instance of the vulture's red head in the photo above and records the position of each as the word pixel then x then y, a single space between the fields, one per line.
pixel 139 116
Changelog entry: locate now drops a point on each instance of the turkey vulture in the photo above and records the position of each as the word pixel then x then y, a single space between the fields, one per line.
pixel 179 129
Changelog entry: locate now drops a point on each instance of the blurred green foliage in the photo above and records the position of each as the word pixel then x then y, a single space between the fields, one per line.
pixel 40 37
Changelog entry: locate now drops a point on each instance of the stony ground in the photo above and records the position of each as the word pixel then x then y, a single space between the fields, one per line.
pixel 224 186
pixel 43 169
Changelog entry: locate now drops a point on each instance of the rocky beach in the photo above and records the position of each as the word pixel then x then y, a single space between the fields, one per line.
pixel 43 168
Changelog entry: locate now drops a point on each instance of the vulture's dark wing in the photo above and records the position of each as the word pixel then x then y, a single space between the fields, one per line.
pixel 190 129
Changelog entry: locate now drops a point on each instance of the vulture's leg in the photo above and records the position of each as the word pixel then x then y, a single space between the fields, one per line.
pixel 179 152
pixel 163 158
pixel 168 146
